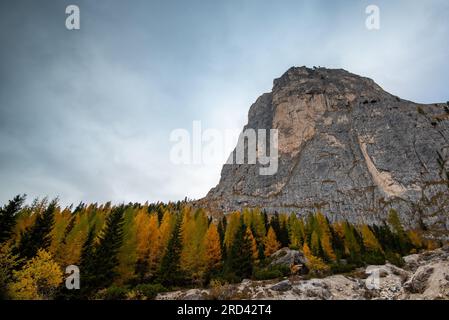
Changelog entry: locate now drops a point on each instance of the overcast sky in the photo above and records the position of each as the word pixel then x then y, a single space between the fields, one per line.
pixel 87 114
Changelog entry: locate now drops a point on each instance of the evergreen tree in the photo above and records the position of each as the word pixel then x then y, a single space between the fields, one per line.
pixel 221 227
pixel 170 271
pixel 239 260
pixel 401 237
pixel 275 224
pixel 283 232
pixel 8 217
pixel 38 236
pixel 102 263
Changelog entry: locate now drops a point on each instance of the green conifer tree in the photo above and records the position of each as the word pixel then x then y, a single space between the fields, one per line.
pixel 170 271
pixel 8 217
pixel 38 236
pixel 239 260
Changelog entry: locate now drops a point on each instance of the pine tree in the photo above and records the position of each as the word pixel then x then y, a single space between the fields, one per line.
pixel 87 267
pixel 283 231
pixel 271 243
pixel 402 239
pixel 352 246
pixel 101 269
pixel 8 217
pixel 239 260
pixel 315 245
pixel 258 225
pixel 170 271
pixel 221 230
pixel 38 236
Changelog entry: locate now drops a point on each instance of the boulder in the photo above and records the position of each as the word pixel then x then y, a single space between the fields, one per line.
pixel 289 258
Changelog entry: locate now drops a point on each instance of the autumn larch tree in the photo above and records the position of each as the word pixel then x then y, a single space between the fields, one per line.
pixel 271 243
pixel 212 249
pixel 38 279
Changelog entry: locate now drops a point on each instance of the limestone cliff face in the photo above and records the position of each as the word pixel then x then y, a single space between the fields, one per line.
pixel 346 147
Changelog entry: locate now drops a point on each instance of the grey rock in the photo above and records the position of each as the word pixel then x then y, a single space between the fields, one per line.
pixel 347 148
pixel 418 283
pixel 287 257
pixel 282 286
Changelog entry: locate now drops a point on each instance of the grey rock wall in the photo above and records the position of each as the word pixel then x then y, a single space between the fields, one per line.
pixel 347 148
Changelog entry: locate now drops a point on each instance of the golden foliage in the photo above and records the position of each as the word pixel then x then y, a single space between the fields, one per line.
pixel 232 228
pixel 212 248
pixel 369 240
pixel 271 243
pixel 38 279
pixel 252 240
pixel 314 264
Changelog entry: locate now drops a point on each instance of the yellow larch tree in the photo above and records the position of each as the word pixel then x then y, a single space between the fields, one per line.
pixel 232 228
pixel 325 237
pixel 154 254
pixel 271 243
pixel 212 249
pixel 313 263
pixel 370 241
pixel 252 240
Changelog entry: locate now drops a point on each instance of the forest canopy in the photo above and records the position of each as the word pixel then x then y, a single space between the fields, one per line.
pixel 137 250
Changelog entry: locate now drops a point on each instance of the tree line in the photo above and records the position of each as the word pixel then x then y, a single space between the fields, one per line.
pixel 137 250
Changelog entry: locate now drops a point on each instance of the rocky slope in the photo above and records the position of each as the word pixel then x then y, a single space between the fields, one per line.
pixel 346 147
pixel 424 276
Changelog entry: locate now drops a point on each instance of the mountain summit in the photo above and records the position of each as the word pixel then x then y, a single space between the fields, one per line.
pixel 347 148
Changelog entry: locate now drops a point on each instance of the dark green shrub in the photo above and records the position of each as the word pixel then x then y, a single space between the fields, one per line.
pixel 374 258
pixel 271 272
pixel 395 258
pixel 113 293
pixel 150 291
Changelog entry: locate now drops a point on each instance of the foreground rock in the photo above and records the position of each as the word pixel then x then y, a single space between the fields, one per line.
pixel 292 259
pixel 346 146
pixel 424 276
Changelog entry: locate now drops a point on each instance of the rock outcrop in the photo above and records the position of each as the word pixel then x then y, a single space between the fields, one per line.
pixel 424 276
pixel 346 147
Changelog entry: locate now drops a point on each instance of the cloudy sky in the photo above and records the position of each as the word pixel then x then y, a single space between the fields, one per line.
pixel 87 114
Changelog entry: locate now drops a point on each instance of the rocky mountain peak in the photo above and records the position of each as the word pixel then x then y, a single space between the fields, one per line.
pixel 347 148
